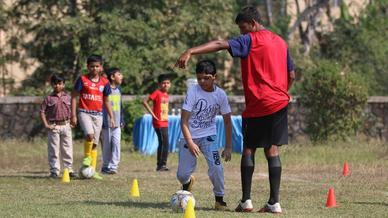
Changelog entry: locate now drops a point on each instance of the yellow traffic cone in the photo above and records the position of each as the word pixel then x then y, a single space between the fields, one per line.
pixel 189 212
pixel 135 189
pixel 66 177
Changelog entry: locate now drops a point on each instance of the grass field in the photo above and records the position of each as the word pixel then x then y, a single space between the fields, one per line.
pixel 308 172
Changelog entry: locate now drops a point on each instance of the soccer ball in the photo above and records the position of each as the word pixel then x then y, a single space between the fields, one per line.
pixel 180 199
pixel 86 172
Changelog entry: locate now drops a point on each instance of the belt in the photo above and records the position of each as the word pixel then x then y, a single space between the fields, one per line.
pixel 63 122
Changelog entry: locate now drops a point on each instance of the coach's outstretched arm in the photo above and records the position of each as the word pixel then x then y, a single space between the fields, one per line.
pixel 208 47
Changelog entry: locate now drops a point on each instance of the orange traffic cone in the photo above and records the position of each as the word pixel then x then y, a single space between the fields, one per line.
pixel 331 199
pixel 346 171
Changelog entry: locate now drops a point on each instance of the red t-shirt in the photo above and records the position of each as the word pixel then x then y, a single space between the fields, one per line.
pixel 92 93
pixel 264 74
pixel 160 108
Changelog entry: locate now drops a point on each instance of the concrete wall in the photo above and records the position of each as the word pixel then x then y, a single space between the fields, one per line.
pixel 19 116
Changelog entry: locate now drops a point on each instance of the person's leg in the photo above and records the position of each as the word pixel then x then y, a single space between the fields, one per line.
pixel 106 149
pixel 247 167
pixel 274 171
pixel 116 147
pixel 215 170
pixel 159 152
pixel 97 126
pixel 67 147
pixel 85 121
pixel 165 144
pixel 53 152
pixel 186 166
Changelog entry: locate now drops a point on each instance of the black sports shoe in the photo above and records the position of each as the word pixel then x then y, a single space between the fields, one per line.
pixel 53 176
pixel 162 168
pixel 73 175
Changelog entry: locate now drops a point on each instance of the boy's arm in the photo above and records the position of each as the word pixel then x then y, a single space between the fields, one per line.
pixel 148 108
pixel 193 148
pixel 208 47
pixel 227 152
pixel 44 120
pixel 109 111
pixel 73 120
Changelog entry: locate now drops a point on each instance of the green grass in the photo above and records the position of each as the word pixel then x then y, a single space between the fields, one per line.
pixel 308 173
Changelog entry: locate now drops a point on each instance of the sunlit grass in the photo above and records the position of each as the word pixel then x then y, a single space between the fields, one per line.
pixel 308 172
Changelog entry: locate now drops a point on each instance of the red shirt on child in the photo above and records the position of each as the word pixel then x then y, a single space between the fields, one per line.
pixel 160 108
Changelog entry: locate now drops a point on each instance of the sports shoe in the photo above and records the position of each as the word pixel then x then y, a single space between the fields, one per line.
pixel 162 168
pixel 221 206
pixel 97 176
pixel 244 207
pixel 87 161
pixel 190 185
pixel 53 176
pixel 269 208
pixel 73 175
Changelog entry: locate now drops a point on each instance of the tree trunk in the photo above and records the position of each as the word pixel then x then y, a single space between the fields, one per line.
pixel 268 6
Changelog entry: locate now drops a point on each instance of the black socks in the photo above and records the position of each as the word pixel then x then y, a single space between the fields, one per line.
pixel 247 168
pixel 274 171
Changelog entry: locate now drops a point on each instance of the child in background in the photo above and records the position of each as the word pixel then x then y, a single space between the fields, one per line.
pixel 93 91
pixel 55 115
pixel 111 136
pixel 198 122
pixel 160 119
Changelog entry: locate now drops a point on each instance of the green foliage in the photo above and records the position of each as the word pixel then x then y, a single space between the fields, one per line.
pixel 362 46
pixel 334 101
pixel 143 38
pixel 132 111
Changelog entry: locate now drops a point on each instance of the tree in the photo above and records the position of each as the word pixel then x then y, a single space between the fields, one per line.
pixel 143 38
pixel 362 46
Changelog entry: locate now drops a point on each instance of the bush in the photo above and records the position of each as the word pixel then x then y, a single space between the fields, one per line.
pixel 132 111
pixel 334 101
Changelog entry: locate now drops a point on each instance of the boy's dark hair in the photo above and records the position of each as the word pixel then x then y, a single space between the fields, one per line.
pixel 206 66
pixel 94 58
pixel 57 78
pixel 163 77
pixel 247 14
pixel 111 71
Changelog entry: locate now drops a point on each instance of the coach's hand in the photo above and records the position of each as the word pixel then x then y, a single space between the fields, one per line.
pixel 183 59
pixel 194 149
pixel 227 154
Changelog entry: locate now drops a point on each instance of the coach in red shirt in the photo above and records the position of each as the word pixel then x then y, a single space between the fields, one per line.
pixel 267 74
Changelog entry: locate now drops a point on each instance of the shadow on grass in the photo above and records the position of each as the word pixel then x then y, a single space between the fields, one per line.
pixel 27 175
pixel 372 203
pixel 130 203
pixel 138 204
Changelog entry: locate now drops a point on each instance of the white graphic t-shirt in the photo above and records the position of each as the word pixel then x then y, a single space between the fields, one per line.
pixel 204 106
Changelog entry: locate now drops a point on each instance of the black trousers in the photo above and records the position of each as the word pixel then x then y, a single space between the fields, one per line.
pixel 162 155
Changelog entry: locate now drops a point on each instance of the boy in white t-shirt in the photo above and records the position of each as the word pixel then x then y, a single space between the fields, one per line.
pixel 198 122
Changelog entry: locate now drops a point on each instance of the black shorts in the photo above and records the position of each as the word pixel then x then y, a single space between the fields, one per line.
pixel 265 131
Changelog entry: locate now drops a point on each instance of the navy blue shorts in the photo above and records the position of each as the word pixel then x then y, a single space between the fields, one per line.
pixel 262 132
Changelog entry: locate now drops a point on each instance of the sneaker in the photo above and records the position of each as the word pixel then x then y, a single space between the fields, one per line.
pixel 53 176
pixel 105 170
pixel 221 206
pixel 162 168
pixel 190 185
pixel 87 161
pixel 73 175
pixel 112 171
pixel 244 207
pixel 97 176
pixel 269 208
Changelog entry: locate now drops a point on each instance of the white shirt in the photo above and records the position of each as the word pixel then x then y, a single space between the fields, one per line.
pixel 204 106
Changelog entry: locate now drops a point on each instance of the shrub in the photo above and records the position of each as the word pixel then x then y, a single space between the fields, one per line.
pixel 334 101
pixel 132 111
